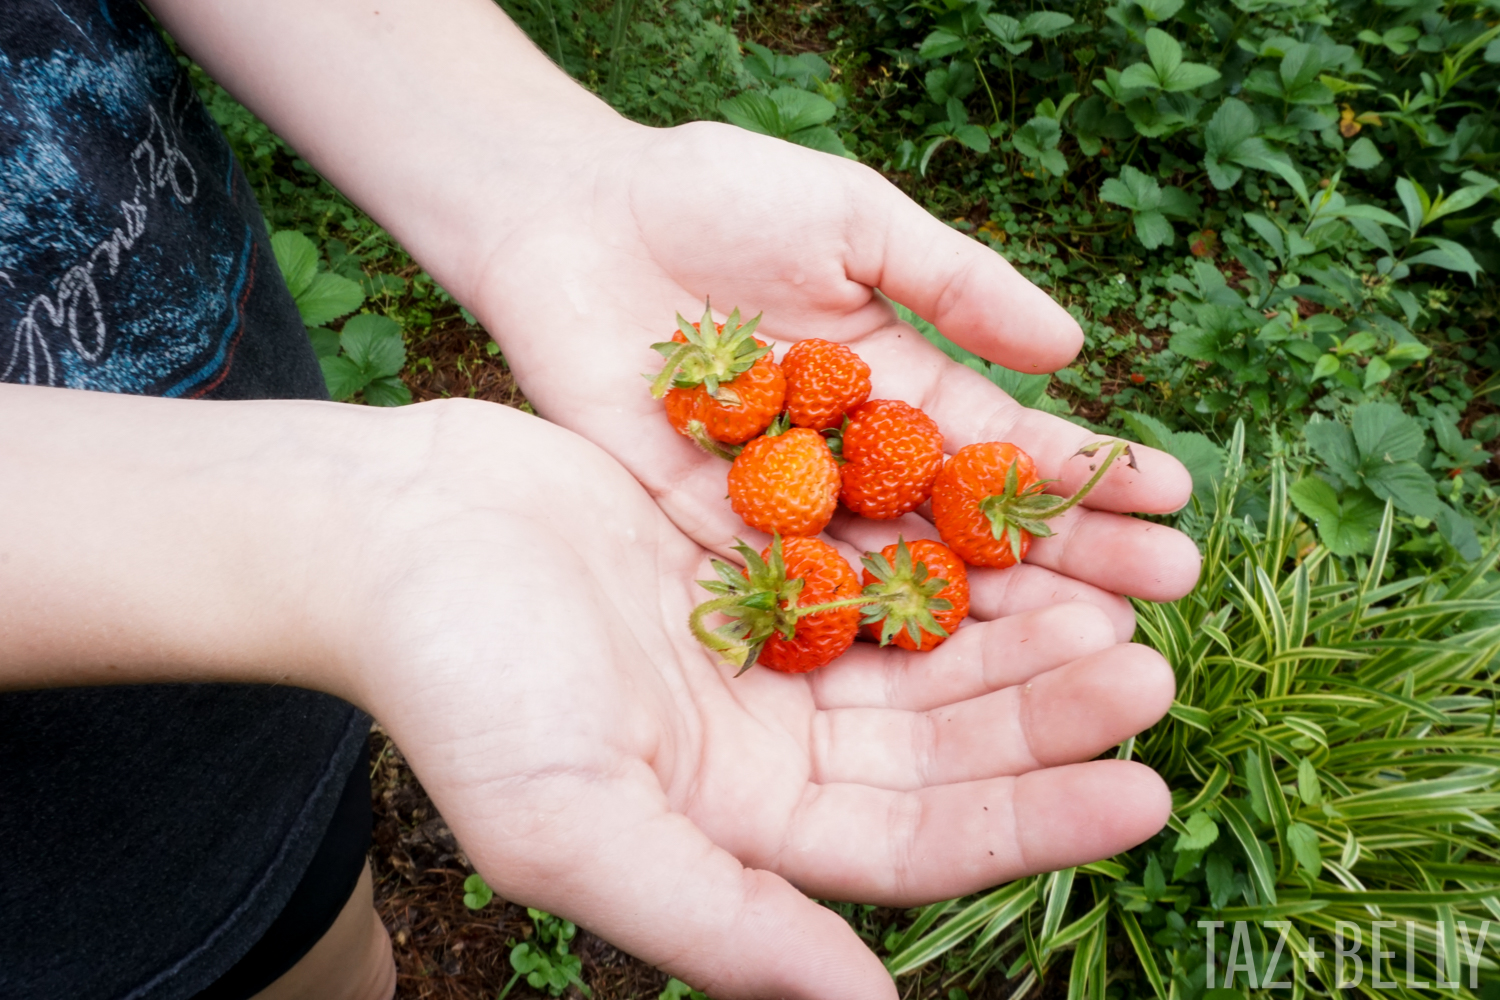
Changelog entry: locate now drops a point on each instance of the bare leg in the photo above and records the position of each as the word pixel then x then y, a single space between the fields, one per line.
pixel 352 961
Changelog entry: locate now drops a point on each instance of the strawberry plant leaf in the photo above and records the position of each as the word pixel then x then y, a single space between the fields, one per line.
pixel 1045 24
pixel 343 377
pixel 939 44
pixel 1407 485
pixel 1189 76
pixel 387 391
pixel 800 109
pixel 373 342
pixel 1165 53
pixel 1385 434
pixel 326 297
pixel 297 258
pixel 325 342
pixel 1334 444
pixel 1153 229
pixel 1346 525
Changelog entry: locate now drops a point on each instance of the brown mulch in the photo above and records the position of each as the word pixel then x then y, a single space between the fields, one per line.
pixel 452 358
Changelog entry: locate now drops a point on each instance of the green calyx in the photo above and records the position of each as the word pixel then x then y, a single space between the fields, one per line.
pixel 710 358
pixel 759 605
pixel 1028 510
pixel 903 596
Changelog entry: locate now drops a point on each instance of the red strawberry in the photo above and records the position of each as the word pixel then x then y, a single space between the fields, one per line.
pixel 785 483
pixel 721 385
pixel 823 380
pixel 892 453
pixel 794 607
pixel 987 502
pixel 928 585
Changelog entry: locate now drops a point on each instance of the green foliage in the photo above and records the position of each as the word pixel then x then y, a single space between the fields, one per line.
pixel 545 960
pixel 370 356
pixel 679 990
pixel 1331 755
pixel 477 894
pixel 321 296
pixel 367 356
pixel 1372 462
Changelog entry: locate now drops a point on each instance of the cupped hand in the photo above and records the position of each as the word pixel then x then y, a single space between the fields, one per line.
pixel 648 223
pixel 526 646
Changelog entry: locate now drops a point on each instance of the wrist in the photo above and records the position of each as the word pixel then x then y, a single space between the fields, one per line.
pixel 164 540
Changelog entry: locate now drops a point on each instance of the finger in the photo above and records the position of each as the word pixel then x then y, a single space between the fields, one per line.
pixel 995 593
pixel 979 658
pixel 962 287
pixel 1119 553
pixel 1062 716
pixel 650 882
pixel 907 848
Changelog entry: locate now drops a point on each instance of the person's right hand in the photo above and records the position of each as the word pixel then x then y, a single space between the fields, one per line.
pixel 513 606
pixel 523 638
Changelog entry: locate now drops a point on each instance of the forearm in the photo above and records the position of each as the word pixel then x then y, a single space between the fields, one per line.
pixel 439 117
pixel 145 539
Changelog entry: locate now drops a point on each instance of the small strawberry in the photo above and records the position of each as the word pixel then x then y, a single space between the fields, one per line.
pixel 987 502
pixel 892 453
pixel 721 385
pixel 928 588
pixel 823 380
pixel 785 483
pixel 794 608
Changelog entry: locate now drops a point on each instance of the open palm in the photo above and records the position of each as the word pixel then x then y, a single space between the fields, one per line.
pixel 531 657
pixel 652 224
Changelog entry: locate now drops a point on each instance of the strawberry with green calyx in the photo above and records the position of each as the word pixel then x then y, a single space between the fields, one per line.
pixel 988 504
pixel 927 589
pixel 785 481
pixel 718 381
pixel 793 608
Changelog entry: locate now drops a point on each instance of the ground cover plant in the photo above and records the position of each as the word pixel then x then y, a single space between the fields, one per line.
pixel 1275 216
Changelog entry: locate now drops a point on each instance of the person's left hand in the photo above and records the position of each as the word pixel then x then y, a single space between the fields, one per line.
pixel 576 236
pixel 647 223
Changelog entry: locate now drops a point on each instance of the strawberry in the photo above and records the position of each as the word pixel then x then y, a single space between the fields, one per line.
pixel 988 504
pixel 823 380
pixel 785 483
pixel 892 453
pixel 720 386
pixel 794 607
pixel 928 585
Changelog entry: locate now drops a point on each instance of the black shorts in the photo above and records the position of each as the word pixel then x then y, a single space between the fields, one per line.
pixel 316 902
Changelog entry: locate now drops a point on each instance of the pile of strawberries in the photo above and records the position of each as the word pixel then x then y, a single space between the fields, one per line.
pixel 803 436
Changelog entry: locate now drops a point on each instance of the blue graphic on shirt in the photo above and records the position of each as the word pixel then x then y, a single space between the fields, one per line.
pixel 126 257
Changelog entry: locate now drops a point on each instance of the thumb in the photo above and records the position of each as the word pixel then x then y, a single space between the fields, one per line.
pixel 650 882
pixel 965 289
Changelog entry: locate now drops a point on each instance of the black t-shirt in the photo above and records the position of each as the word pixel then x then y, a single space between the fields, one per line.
pixel 148 835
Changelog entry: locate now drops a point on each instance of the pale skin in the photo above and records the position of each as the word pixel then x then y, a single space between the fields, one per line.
pixel 510 599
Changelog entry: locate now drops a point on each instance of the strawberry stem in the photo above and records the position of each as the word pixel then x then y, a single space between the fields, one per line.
pixel 848 602
pixel 732 651
pixel 699 434
pixel 1116 449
